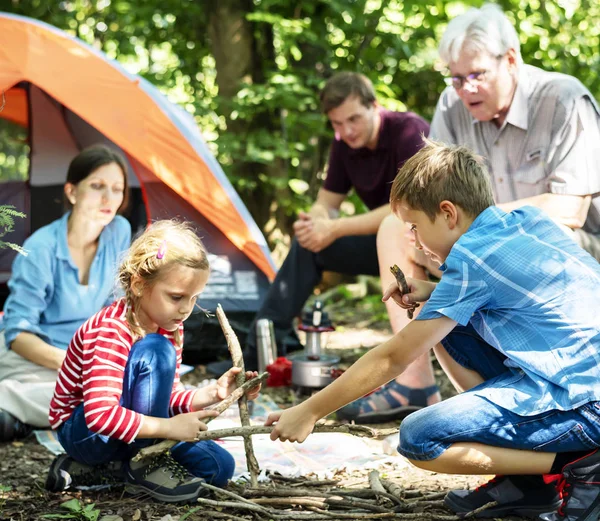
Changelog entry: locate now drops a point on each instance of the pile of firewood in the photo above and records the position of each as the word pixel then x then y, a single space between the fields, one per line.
pixel 296 499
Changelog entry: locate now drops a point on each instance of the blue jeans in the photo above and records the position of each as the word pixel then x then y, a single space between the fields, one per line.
pixel 426 434
pixel 147 385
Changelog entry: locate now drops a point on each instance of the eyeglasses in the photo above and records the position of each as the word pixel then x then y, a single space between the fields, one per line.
pixel 475 79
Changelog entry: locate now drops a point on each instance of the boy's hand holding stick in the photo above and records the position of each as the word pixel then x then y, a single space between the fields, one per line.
pixel 403 286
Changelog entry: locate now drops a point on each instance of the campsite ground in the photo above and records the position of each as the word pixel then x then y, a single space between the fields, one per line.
pixel 24 465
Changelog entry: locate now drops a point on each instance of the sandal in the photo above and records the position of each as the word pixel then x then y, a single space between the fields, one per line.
pixel 383 406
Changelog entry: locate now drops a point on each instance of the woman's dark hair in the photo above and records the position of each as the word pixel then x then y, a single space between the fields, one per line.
pixel 92 158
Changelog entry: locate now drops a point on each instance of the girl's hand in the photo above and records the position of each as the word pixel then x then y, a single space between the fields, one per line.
pixel 185 427
pixel 419 291
pixel 226 384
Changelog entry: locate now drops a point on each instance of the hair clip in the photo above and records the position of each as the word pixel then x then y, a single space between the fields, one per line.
pixel 162 250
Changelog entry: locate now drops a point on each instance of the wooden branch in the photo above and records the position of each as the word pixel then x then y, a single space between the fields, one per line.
pixel 238 361
pixel 375 483
pixel 401 280
pixel 356 430
pixel 219 407
pixel 237 394
pixel 474 513
pixel 394 489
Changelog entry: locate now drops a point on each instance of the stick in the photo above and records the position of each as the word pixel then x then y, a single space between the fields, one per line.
pixel 375 483
pixel 401 280
pixel 251 430
pixel 394 489
pixel 238 361
pixel 237 394
pixel 219 407
pixel 473 513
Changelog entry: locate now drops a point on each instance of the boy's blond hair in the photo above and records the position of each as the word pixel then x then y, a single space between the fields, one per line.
pixel 440 172
pixel 162 246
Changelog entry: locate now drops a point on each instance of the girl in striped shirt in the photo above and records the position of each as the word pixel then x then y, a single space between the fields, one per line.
pixel 118 389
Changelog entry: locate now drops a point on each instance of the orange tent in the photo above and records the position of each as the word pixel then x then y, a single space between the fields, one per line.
pixel 70 95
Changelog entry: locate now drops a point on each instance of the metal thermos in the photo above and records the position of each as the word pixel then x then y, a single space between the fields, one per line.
pixel 265 343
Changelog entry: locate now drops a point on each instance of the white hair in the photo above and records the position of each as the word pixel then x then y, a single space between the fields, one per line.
pixel 485 29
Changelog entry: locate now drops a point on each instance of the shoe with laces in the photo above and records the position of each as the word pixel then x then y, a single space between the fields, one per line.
pixel 162 478
pixel 525 496
pixel 11 428
pixel 579 488
pixel 66 473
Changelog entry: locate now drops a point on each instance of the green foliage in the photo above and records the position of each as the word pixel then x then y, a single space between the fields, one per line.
pixel 7 223
pixel 76 510
pixel 3 488
pixel 269 135
pixel 14 152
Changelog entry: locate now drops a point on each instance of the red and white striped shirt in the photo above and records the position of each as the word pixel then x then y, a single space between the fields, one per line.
pixel 93 371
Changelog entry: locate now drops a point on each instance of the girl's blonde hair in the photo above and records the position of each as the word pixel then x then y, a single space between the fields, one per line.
pixel 162 246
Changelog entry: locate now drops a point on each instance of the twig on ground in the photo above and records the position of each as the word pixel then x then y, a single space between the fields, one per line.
pixel 428 497
pixel 375 483
pixel 394 489
pixel 226 492
pixel 473 513
pixel 238 361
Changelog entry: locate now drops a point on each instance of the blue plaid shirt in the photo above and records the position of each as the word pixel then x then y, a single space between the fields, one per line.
pixel 532 293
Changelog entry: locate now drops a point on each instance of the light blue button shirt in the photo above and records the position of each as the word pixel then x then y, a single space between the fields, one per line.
pixel 534 295
pixel 46 298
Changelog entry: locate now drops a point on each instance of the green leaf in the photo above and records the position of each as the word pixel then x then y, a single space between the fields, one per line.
pixel 74 505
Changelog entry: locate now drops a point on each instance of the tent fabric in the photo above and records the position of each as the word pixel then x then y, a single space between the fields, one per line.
pixel 130 112
pixel 15 107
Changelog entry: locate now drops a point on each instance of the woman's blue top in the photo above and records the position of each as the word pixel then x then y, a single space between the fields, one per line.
pixel 46 298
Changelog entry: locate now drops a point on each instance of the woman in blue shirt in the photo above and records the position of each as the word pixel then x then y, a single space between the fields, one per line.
pixel 66 277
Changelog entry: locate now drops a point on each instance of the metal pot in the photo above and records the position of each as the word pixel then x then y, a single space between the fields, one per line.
pixel 313 373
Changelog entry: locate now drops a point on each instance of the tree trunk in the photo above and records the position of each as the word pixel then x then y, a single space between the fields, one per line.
pixel 243 55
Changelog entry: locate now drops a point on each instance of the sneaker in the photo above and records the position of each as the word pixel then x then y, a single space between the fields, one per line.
pixel 65 472
pixel 579 486
pixel 525 496
pixel 162 478
pixel 11 428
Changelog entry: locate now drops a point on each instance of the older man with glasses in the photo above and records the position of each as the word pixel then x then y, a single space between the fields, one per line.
pixel 539 131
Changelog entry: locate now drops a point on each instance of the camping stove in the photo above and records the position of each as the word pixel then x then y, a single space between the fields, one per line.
pixel 312 368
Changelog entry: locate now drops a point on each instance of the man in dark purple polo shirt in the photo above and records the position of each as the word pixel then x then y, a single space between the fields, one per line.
pixel 370 145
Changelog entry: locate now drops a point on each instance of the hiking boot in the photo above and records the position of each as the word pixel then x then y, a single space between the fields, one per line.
pixel 11 428
pixel 579 486
pixel 526 496
pixel 65 472
pixel 162 478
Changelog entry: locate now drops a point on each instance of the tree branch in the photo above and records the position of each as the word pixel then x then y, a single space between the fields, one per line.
pixel 238 361
pixel 251 430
